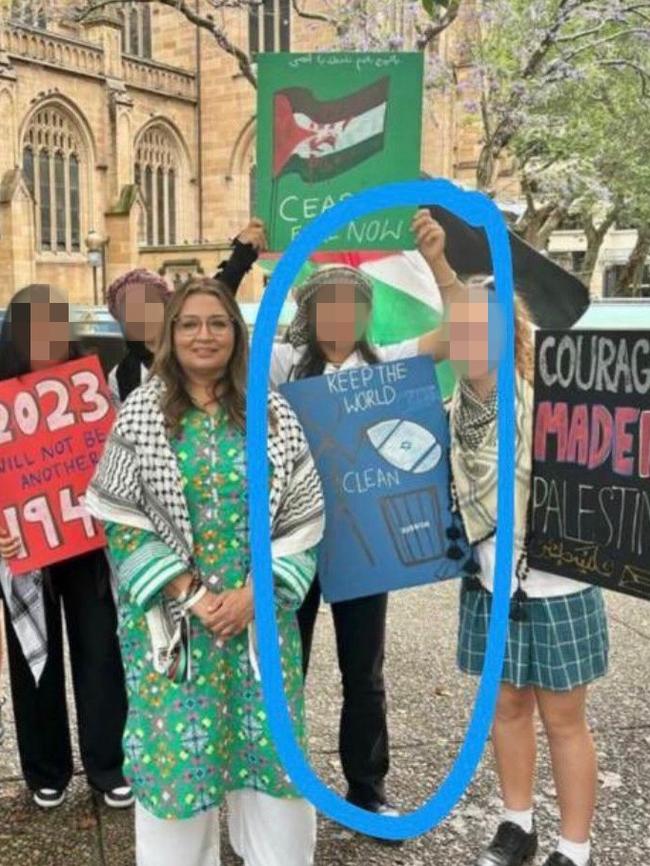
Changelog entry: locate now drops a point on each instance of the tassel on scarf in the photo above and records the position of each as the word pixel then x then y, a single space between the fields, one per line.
pixel 454 551
pixel 517 608
pixel 471 582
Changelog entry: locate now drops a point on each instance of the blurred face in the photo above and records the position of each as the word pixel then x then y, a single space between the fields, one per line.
pixel 473 333
pixel 341 316
pixel 204 337
pixel 49 330
pixel 143 315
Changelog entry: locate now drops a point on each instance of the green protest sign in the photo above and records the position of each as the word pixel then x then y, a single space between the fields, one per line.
pixel 328 126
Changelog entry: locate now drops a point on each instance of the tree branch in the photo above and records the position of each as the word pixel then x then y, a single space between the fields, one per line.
pixel 318 16
pixel 643 74
pixel 635 7
pixel 573 37
pixel 565 8
pixel 625 31
pixel 429 33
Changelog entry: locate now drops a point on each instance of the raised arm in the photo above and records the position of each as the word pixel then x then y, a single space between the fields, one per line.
pixel 430 239
pixel 245 250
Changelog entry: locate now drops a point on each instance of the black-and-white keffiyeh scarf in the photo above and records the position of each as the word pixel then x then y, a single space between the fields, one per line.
pixel 474 416
pixel 298 331
pixel 23 596
pixel 475 462
pixel 138 483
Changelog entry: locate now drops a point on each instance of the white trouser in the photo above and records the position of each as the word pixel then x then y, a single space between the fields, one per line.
pixel 263 830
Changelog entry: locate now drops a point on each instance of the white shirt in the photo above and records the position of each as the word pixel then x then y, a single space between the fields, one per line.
pixel 538 584
pixel 285 359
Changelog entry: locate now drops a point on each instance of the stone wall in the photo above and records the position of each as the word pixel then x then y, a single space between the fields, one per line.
pixel 206 105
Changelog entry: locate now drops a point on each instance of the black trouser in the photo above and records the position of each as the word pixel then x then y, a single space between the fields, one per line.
pixel 42 726
pixel 360 627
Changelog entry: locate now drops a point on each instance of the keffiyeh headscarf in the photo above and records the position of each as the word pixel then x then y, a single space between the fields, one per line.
pixel 298 331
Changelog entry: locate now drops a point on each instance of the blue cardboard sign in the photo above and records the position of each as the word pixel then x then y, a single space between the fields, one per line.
pixel 380 439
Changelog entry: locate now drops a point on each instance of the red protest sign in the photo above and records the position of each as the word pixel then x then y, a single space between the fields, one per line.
pixel 53 425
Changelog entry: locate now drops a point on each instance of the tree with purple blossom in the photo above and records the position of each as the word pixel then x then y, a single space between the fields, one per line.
pixel 582 155
pixel 348 25
pixel 521 50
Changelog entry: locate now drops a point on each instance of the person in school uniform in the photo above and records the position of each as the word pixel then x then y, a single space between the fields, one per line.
pixel 557 642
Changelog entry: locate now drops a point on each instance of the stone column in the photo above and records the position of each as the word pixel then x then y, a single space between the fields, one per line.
pixel 121 224
pixel 17 226
pixel 17 241
pixel 9 151
pixel 104 28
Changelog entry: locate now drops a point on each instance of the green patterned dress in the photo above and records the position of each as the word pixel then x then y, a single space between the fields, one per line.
pixel 187 745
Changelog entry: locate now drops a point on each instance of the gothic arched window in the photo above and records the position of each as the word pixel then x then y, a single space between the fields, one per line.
pixel 136 29
pixel 156 173
pixel 52 167
pixel 269 26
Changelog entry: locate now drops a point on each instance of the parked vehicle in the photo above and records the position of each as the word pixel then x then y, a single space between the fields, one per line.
pixel 619 314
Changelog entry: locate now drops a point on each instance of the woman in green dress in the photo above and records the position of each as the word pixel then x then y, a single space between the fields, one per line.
pixel 171 490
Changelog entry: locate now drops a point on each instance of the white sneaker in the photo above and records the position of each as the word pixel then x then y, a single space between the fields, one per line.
pixel 48 798
pixel 119 798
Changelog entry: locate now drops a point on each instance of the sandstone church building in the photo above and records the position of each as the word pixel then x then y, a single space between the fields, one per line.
pixel 134 133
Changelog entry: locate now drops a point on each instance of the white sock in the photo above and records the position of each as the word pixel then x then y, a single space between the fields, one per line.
pixel 579 852
pixel 521 819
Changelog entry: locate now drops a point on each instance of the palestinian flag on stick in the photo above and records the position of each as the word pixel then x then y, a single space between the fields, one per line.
pixel 320 140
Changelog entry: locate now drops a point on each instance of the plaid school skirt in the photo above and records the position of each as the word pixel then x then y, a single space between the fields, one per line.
pixel 561 643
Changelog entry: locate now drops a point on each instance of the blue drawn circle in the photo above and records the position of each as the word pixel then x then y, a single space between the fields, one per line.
pixel 478 210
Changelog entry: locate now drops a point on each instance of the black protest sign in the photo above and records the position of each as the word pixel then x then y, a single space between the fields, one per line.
pixel 589 513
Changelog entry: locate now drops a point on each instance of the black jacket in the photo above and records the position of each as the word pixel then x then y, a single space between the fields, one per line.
pixel 231 272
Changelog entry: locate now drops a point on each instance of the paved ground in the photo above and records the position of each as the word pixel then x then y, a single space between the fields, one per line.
pixel 429 707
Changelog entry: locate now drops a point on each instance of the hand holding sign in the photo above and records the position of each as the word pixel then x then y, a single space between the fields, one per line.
pixel 429 236
pixel 9 547
pixel 255 235
pixel 52 428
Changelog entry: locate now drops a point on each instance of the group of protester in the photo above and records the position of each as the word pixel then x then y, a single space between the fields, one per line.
pixel 160 625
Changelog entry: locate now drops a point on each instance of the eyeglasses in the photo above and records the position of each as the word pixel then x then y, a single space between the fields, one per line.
pixel 190 326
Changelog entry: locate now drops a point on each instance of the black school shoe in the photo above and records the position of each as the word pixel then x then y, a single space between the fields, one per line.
pixel 511 846
pixel 557 859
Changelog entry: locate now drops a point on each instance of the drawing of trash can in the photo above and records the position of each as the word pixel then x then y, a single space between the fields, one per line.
pixel 415 525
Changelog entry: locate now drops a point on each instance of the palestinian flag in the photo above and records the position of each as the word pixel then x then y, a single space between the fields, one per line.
pixel 320 140
pixel 555 298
